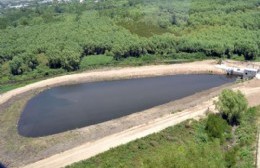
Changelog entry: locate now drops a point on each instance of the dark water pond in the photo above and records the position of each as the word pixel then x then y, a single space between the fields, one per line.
pixel 2 166
pixel 74 106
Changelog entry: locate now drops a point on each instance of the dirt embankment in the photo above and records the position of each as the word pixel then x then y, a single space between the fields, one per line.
pixel 89 149
pixel 255 65
pixel 118 73
pixel 83 143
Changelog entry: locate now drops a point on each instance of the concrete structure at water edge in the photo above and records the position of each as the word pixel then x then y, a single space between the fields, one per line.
pixel 258 76
pixel 246 73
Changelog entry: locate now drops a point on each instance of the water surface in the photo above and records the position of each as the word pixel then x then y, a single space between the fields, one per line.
pixel 74 106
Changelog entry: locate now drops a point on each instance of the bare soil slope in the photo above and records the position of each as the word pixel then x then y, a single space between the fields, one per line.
pixel 87 150
pixel 76 145
pixel 118 73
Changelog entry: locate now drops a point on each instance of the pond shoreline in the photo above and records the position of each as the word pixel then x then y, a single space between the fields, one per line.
pixel 71 107
pixel 27 150
pixel 199 67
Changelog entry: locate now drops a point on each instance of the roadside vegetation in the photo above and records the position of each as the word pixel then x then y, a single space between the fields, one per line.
pixel 47 40
pixel 226 139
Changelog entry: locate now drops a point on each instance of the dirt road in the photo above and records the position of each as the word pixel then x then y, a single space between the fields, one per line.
pixel 28 150
pixel 91 148
pixel 87 150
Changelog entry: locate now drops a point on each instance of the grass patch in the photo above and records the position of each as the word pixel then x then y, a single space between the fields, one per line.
pixel 11 86
pixel 238 58
pixel 185 145
pixel 6 88
pixel 137 61
pixel 95 61
pixel 152 59
pixel 257 59
pixel 246 138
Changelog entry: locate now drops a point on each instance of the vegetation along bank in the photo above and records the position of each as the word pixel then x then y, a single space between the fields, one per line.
pixel 46 40
pixel 223 140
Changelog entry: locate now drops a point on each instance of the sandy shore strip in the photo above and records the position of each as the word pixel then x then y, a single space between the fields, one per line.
pixel 91 149
pixel 88 150
pixel 118 73
pixel 111 128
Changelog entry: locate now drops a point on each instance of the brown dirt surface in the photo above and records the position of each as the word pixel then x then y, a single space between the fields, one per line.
pixel 255 65
pixel 118 73
pixel 91 149
pixel 71 146
pixel 251 89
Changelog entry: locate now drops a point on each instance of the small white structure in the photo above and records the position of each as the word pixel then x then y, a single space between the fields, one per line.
pixel 258 75
pixel 250 72
pixel 243 72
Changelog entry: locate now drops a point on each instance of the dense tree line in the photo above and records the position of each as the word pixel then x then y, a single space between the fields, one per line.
pixel 48 39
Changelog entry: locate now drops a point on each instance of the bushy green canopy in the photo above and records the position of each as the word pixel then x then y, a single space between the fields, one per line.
pixel 64 33
pixel 231 105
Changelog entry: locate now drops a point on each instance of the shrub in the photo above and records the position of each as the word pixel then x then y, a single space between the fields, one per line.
pixel 216 127
pixel 231 105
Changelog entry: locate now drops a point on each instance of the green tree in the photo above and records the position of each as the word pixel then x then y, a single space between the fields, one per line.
pixel 29 60
pixel 16 66
pixel 54 59
pixel 231 105
pixel 70 60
